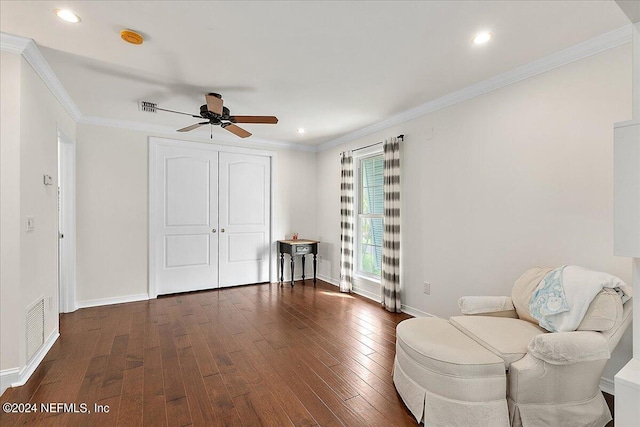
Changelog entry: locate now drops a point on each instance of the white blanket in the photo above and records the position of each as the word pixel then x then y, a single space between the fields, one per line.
pixel 564 295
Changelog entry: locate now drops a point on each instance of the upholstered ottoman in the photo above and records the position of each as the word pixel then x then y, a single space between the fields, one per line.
pixel 447 379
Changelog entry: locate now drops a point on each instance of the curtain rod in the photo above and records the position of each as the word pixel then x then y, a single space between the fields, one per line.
pixel 401 137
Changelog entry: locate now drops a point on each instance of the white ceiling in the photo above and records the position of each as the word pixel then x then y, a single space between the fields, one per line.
pixel 332 67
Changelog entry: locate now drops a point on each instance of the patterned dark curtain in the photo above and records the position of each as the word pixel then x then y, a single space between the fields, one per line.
pixel 391 236
pixel 346 223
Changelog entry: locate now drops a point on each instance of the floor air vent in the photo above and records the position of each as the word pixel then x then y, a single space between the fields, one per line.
pixel 35 327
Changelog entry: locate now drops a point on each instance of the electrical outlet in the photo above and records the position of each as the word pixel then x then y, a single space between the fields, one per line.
pixel 31 223
pixel 427 288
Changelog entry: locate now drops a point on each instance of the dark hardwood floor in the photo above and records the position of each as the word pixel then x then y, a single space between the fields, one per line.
pixel 259 355
pixel 610 403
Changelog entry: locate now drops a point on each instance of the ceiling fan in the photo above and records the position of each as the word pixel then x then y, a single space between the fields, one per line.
pixel 216 115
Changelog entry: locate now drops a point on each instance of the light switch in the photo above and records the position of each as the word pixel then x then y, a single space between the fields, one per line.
pixel 31 223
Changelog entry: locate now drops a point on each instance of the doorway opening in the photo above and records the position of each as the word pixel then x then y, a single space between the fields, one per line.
pixel 66 224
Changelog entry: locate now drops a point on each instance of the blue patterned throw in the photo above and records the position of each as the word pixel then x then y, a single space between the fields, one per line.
pixel 549 299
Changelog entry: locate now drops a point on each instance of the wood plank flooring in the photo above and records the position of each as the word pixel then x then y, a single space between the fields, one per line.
pixel 259 355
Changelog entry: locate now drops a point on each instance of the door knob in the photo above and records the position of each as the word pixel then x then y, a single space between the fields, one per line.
pixel 222 230
pixel 213 230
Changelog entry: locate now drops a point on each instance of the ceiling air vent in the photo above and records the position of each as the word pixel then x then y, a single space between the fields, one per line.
pixel 35 327
pixel 149 107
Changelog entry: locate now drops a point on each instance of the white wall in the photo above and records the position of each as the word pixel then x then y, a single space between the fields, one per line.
pixel 41 117
pixel 518 177
pixel 31 117
pixel 111 213
pixel 112 209
pixel 295 203
pixel 9 210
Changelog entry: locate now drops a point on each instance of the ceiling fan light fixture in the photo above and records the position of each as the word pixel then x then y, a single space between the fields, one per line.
pixel 217 114
pixel 482 38
pixel 131 36
pixel 67 15
pixel 301 130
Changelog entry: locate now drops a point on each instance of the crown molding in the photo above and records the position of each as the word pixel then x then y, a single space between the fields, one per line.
pixel 28 49
pixel 582 50
pixel 162 130
pixel 12 43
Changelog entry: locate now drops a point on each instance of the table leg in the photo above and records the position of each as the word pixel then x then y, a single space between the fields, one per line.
pixel 303 269
pixel 281 267
pixel 292 267
pixel 314 269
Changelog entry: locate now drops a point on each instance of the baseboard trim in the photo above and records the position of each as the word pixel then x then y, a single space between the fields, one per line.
pixel 329 280
pixel 16 377
pixel 296 278
pixel 608 386
pixel 357 291
pixel 376 298
pixel 415 312
pixel 113 300
pixel 8 377
pixel 369 295
pixel 363 293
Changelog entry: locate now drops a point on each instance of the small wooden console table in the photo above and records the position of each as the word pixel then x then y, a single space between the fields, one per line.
pixel 297 247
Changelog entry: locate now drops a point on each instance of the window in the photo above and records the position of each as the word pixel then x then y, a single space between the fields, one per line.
pixel 370 221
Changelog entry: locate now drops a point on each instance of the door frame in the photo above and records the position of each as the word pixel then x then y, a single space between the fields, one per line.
pixel 154 143
pixel 67 216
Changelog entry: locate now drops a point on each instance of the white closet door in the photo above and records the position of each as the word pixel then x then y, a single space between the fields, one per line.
pixel 186 219
pixel 244 215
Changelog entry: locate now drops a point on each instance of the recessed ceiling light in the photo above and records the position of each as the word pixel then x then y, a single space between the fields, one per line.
pixel 300 130
pixel 482 38
pixel 67 15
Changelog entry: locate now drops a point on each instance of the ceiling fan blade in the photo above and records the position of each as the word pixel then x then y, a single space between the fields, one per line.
pixel 236 130
pixel 214 104
pixel 269 120
pixel 192 127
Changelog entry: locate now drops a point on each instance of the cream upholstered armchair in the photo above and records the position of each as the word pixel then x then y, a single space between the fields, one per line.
pixel 552 378
pixel 496 367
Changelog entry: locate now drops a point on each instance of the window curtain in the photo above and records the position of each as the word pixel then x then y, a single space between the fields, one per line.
pixel 391 236
pixel 346 222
